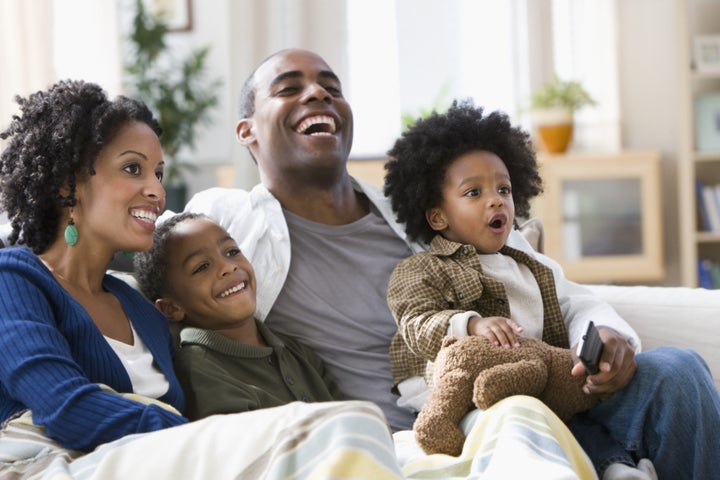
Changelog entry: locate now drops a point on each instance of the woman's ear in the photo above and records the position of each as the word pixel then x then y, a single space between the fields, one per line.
pixel 436 219
pixel 172 310
pixel 245 132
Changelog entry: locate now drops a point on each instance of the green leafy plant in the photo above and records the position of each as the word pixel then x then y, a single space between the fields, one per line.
pixel 176 90
pixel 439 105
pixel 558 93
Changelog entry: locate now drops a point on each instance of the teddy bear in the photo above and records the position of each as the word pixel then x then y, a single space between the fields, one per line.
pixel 472 370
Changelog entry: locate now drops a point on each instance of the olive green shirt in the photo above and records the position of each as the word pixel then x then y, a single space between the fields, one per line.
pixel 219 375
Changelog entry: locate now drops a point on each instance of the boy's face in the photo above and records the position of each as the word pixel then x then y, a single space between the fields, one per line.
pixel 209 279
pixel 477 206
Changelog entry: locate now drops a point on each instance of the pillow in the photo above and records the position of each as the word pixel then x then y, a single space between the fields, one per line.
pixel 533 232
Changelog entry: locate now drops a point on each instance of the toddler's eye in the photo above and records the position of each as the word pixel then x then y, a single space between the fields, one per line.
pixel 473 192
pixel 505 190
pixel 233 252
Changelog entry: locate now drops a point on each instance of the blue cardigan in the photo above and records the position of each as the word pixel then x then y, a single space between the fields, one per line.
pixel 52 356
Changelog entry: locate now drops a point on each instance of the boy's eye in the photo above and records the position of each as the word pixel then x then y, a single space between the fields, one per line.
pixel 200 268
pixel 160 175
pixel 473 192
pixel 505 190
pixel 233 252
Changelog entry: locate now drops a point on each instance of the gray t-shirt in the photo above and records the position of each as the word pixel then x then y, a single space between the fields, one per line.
pixel 334 301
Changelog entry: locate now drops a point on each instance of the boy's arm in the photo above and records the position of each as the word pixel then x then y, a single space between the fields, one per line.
pixel 418 299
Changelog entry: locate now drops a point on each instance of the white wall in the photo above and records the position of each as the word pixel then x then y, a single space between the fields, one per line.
pixel 649 102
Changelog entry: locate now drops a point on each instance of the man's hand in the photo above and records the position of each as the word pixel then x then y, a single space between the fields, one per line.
pixel 500 331
pixel 617 364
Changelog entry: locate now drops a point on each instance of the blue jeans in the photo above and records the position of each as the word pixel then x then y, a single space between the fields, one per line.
pixel 669 413
pixel 596 441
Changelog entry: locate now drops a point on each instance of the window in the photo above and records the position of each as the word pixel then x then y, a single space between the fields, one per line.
pixel 409 55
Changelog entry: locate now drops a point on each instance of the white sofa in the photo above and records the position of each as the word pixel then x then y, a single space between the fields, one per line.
pixel 684 317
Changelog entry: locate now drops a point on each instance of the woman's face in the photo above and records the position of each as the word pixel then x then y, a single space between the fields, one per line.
pixel 118 205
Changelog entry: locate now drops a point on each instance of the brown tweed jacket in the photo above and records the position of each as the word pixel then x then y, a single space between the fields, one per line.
pixel 428 288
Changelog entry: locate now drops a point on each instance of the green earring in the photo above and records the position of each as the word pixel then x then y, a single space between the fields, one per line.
pixel 71 233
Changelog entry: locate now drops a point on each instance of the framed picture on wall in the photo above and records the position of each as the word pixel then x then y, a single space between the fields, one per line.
pixel 177 14
pixel 707 53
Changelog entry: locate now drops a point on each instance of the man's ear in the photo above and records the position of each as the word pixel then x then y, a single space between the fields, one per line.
pixel 245 131
pixel 436 219
pixel 172 310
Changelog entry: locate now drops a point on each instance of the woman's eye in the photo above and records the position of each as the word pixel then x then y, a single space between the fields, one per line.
pixel 132 169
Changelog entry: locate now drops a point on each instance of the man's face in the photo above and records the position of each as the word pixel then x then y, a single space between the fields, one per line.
pixel 302 123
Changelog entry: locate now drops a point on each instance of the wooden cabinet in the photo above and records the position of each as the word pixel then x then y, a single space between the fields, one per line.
pixel 602 215
pixel 699 154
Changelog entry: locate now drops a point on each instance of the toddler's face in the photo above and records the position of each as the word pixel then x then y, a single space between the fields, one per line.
pixel 477 206
pixel 208 276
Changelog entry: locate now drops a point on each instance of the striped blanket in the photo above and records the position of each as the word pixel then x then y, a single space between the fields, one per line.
pixel 517 438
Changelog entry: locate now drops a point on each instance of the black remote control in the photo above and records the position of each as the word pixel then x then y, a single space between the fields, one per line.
pixel 590 348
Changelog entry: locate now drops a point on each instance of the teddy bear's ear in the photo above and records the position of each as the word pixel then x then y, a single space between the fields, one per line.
pixel 447 341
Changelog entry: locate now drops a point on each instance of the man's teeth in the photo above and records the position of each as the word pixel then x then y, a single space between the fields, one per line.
pixel 144 215
pixel 232 290
pixel 317 120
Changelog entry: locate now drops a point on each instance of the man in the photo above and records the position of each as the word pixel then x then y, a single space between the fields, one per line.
pixel 324 245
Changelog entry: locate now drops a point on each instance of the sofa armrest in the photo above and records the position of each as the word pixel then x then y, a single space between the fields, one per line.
pixel 679 316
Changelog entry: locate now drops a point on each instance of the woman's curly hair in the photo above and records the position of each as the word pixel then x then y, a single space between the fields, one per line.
pixel 150 266
pixel 53 143
pixel 420 157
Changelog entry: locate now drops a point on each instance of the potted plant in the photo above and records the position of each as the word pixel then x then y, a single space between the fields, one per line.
pixel 552 109
pixel 176 90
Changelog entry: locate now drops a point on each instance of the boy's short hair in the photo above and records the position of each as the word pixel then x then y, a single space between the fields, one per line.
pixel 151 265
pixel 421 156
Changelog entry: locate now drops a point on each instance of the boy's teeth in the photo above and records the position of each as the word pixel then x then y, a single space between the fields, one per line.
pixel 233 290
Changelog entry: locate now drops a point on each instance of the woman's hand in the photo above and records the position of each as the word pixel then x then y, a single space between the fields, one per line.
pixel 617 364
pixel 500 331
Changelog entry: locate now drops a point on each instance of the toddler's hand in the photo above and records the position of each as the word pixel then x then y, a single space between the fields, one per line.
pixel 500 331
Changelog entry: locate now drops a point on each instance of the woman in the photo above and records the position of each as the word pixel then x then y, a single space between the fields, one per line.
pixel 85 359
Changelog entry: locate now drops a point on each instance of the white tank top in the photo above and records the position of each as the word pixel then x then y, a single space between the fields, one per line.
pixel 145 376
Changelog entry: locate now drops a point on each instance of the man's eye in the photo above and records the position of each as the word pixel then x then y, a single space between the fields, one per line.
pixel 287 90
pixel 334 91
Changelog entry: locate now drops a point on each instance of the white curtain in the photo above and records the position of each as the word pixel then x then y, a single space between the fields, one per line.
pixel 26 51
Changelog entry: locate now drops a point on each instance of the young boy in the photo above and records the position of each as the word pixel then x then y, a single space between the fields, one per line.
pixel 458 180
pixel 227 361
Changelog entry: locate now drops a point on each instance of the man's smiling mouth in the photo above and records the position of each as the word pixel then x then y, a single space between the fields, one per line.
pixel 317 125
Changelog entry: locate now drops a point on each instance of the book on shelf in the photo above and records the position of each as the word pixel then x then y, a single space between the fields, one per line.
pixel 708 200
pixel 708 273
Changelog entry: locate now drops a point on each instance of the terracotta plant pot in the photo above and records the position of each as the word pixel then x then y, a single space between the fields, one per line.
pixel 553 129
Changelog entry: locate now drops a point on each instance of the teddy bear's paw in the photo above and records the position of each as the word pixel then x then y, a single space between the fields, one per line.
pixel 524 377
pixel 439 437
